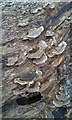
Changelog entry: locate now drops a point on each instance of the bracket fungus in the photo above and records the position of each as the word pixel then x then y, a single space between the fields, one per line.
pixel 22 58
pixel 12 61
pixel 38 51
pixel 41 60
pixel 61 48
pixel 36 54
pixel 34 33
pixel 43 44
pixel 58 50
pixel 61 103
pixel 20 82
pixel 35 88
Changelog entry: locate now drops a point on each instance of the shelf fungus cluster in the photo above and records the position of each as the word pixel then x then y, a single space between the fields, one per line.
pixel 37 54
pixel 62 98
pixel 36 59
pixel 28 86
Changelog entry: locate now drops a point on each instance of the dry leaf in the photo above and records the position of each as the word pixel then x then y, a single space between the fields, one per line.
pixel 57 61
pixel 44 86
